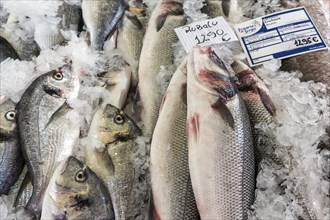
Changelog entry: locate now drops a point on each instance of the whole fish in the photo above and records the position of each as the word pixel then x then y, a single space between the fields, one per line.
pixel 221 157
pixel 109 154
pixel 130 35
pixel 102 18
pixel 43 122
pixel 261 109
pixel 117 80
pixel 76 192
pixel 172 193
pixel 157 51
pixel 6 50
pixel 11 158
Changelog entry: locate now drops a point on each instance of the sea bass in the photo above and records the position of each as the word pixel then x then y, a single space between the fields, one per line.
pixel 102 18
pixel 6 50
pixel 11 158
pixel 221 157
pixel 261 110
pixel 129 38
pixel 157 51
pixel 109 154
pixel 172 193
pixel 43 122
pixel 76 192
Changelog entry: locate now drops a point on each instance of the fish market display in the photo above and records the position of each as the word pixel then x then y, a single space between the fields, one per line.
pixel 157 51
pixel 219 140
pixel 11 159
pixel 130 35
pixel 101 18
pixel 43 125
pixel 172 194
pixel 76 192
pixel 109 154
pixel 260 107
pixel 6 50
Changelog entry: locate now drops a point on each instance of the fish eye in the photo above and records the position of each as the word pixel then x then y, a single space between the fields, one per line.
pixel 80 176
pixel 119 119
pixel 10 116
pixel 58 75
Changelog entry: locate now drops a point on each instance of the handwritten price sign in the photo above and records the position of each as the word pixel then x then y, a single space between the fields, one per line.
pixel 207 32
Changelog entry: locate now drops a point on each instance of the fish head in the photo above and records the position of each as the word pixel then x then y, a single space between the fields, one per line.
pixel 211 74
pixel 114 125
pixel 137 7
pixel 8 126
pixel 62 82
pixel 245 77
pixel 73 183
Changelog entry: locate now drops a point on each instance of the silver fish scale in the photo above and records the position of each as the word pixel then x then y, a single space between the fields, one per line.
pixel 235 169
pixel 183 203
pixel 264 145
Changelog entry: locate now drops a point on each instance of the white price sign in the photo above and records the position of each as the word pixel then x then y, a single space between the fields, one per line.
pixel 204 33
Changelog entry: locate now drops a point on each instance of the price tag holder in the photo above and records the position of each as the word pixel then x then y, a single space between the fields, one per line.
pixel 204 33
pixel 280 35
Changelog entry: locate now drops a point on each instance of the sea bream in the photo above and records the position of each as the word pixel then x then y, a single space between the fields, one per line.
pixel 261 110
pixel 102 18
pixel 76 192
pixel 172 194
pixel 44 121
pixel 157 51
pixel 109 153
pixel 11 158
pixel 220 142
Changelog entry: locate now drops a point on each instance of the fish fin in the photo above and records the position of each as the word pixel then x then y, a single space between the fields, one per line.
pixel 116 38
pixel 225 7
pixel 225 113
pixel 135 21
pixel 267 101
pixel 163 101
pixel 160 21
pixel 25 182
pixel 193 126
pixel 60 111
pixel 171 8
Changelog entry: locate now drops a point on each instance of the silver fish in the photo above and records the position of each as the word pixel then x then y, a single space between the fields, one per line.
pixel 102 18
pixel 172 193
pixel 220 143
pixel 109 154
pixel 43 126
pixel 6 50
pixel 76 192
pixel 11 158
pixel 261 109
pixel 129 38
pixel 157 51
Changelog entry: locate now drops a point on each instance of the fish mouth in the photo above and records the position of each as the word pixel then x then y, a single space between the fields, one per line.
pixel 53 91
